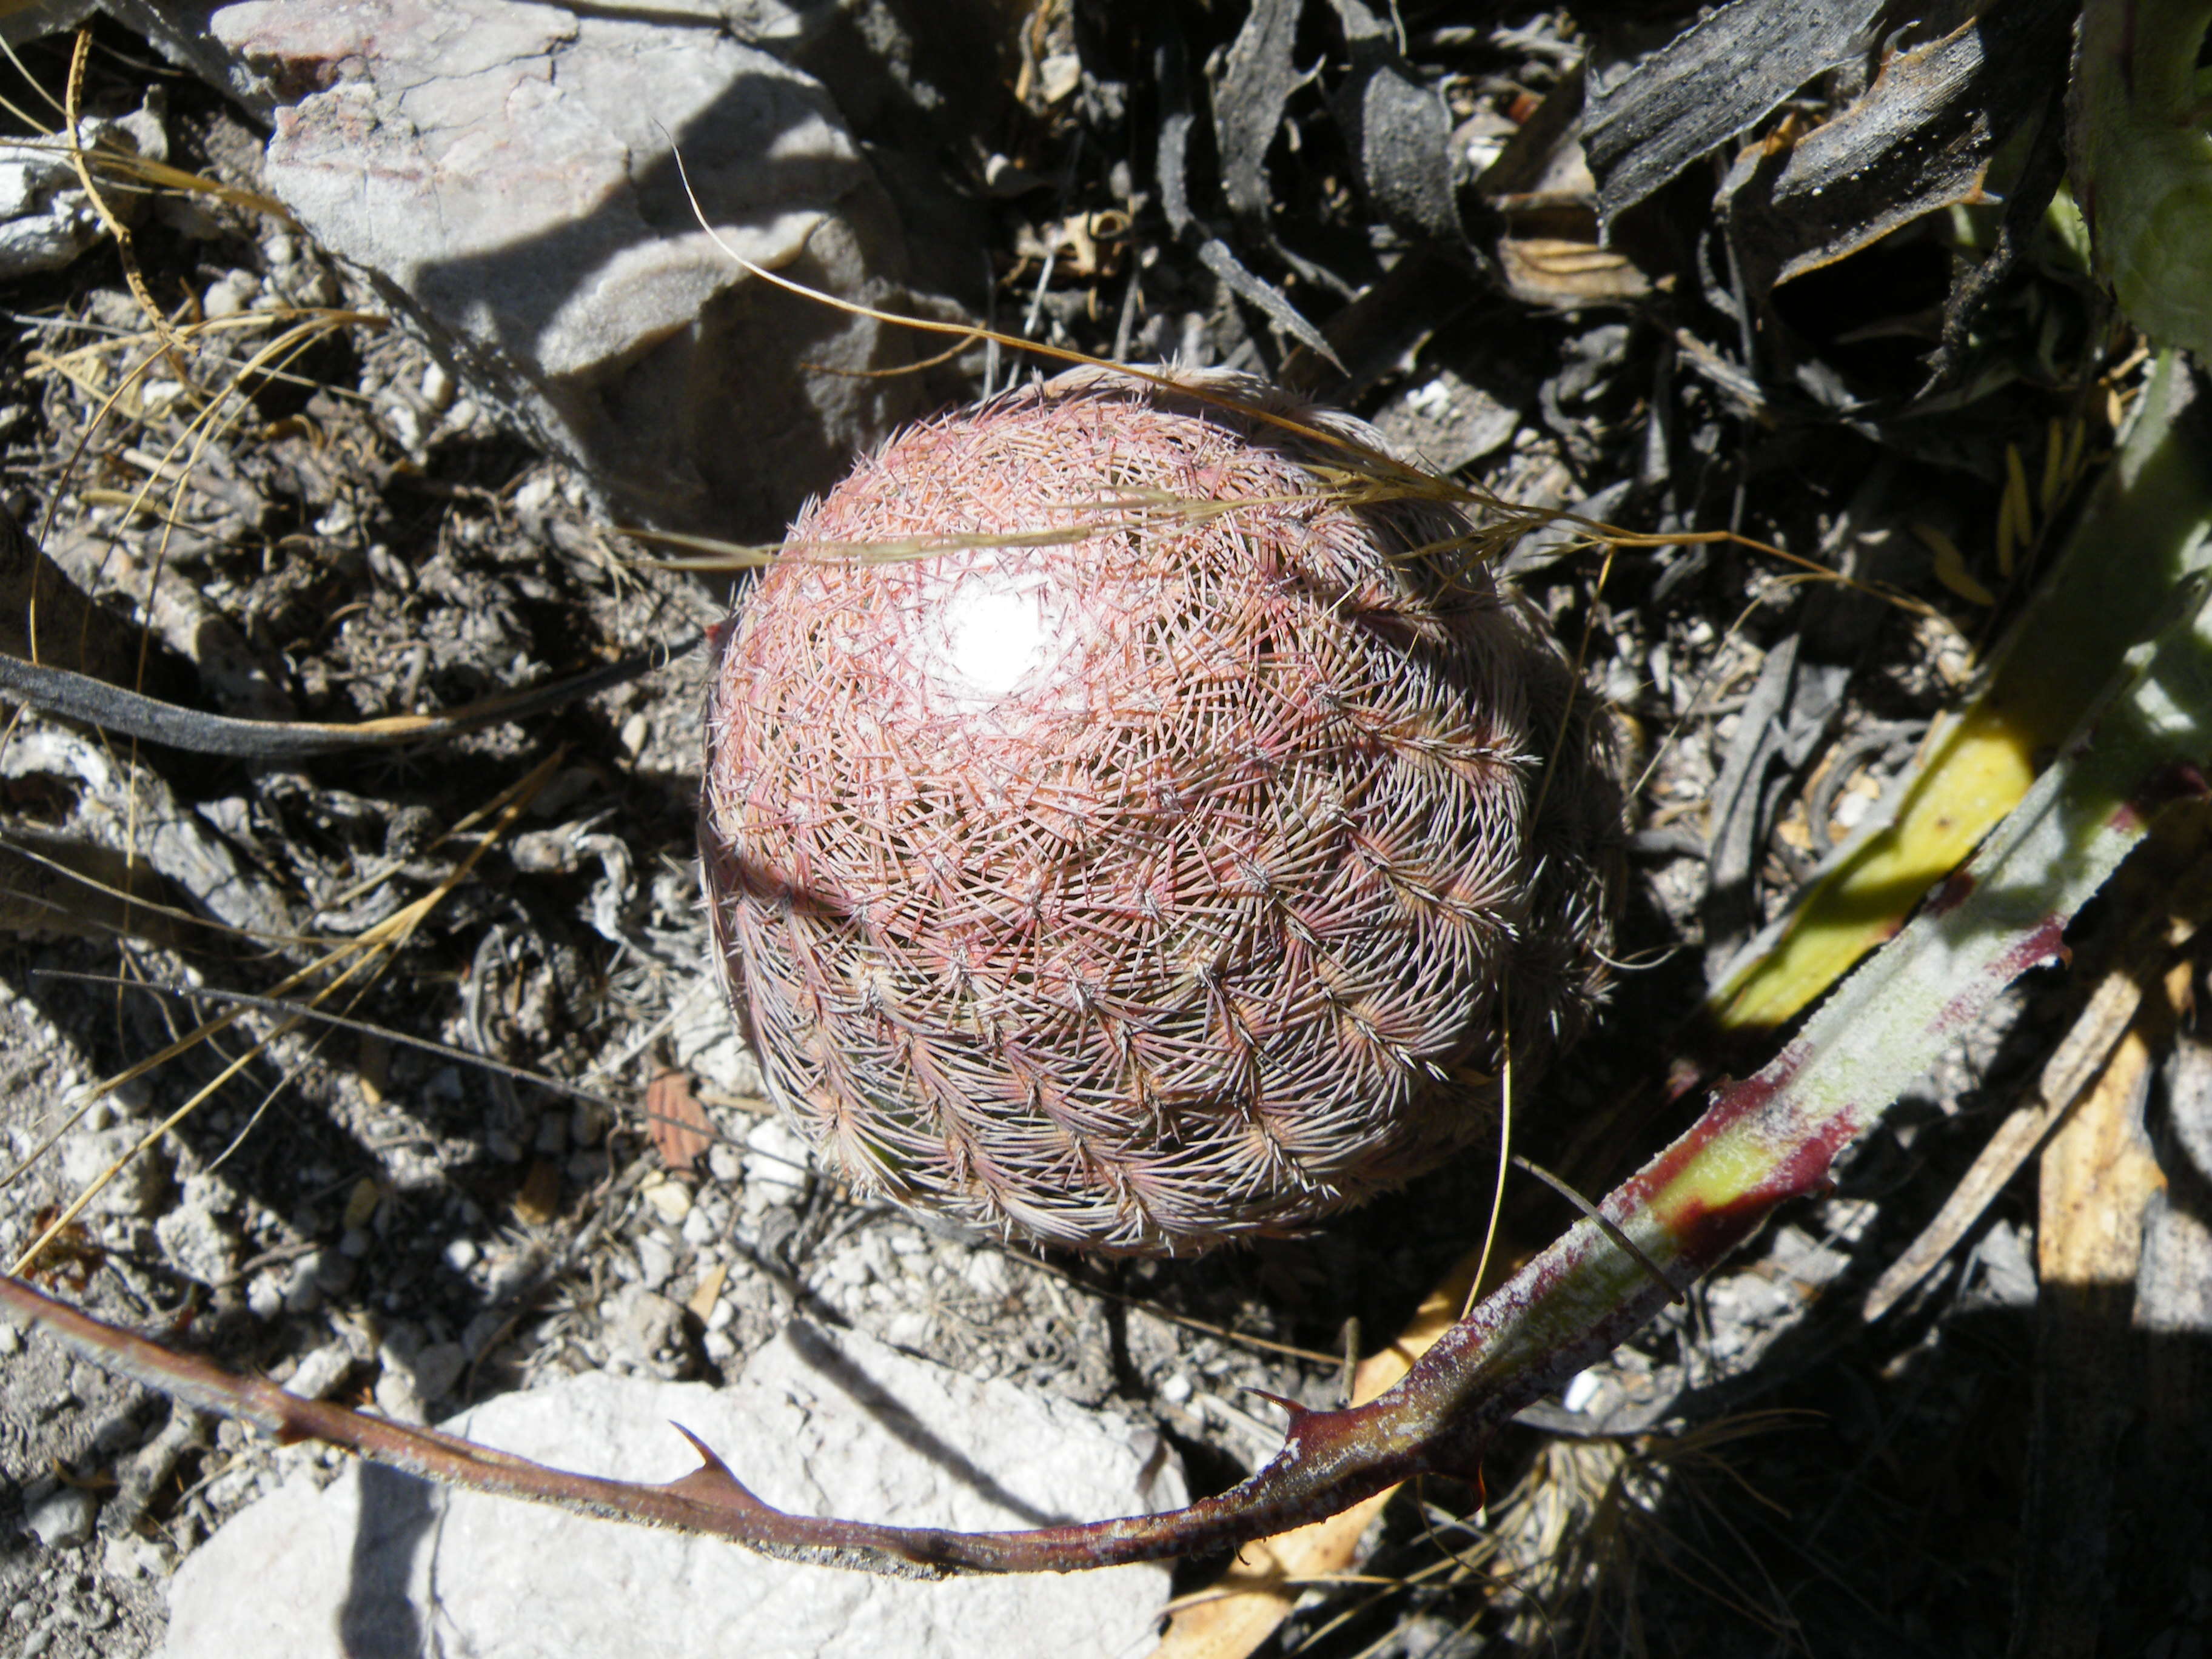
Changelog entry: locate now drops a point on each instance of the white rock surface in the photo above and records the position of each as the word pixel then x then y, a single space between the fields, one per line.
pixel 28 22
pixel 503 173
pixel 46 218
pixel 378 1565
pixel 137 1189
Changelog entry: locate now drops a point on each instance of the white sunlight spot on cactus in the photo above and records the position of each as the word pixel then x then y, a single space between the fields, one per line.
pixel 996 629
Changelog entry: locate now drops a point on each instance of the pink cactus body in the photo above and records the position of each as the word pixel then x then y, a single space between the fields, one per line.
pixel 1143 871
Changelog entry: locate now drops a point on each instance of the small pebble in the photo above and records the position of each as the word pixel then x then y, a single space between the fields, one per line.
pixel 64 1518
pixel 196 1242
pixel 910 1329
pixel 655 1261
pixel 535 495
pixel 303 1288
pixel 985 1274
pixel 264 1297
pixel 484 1330
pixel 437 387
pixel 1176 1390
pixel 461 1255
pixel 392 572
pixel 726 1163
pixel 774 1161
pixel 404 424
pixel 139 1185
pixel 229 295
pixel 396 1397
pixel 671 1200
pixel 233 1487
pixel 131 1557
pixel 320 1373
pixel 436 1369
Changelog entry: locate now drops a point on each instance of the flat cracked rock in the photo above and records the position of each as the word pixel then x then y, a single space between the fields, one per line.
pixel 506 175
pixel 378 1564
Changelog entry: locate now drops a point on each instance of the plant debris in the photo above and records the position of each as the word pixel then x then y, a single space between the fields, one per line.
pixel 1832 343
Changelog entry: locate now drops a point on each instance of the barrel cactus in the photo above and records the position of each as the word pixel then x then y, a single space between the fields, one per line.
pixel 1117 835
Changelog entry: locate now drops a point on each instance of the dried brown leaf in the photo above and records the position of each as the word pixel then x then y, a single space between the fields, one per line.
pixel 677 1122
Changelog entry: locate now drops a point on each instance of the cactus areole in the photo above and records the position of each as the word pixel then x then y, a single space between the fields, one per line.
pixel 1118 835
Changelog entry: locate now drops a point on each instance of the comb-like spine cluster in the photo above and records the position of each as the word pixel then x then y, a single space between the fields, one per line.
pixel 1151 863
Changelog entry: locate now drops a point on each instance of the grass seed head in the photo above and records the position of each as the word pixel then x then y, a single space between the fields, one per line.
pixel 1153 864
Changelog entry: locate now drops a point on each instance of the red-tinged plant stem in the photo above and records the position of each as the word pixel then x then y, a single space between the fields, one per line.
pixel 1762 1141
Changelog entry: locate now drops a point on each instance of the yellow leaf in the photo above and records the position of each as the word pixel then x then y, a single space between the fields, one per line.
pixel 1951 564
pixel 2139 536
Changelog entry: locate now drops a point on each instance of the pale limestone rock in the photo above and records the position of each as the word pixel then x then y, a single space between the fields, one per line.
pixel 378 1564
pixel 505 174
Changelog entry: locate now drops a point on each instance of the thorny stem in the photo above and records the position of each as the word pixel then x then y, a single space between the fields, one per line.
pixel 1761 1142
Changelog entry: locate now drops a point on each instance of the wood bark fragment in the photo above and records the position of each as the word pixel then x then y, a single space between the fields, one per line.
pixel 1257 78
pixel 1399 129
pixel 2072 1069
pixel 2162 1509
pixel 1925 136
pixel 2097 1179
pixel 1708 83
